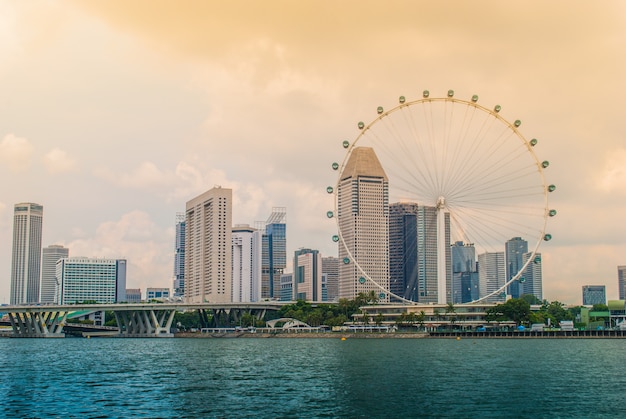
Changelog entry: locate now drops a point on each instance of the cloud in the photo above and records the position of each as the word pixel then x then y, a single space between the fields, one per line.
pixel 16 153
pixel 613 176
pixel 58 161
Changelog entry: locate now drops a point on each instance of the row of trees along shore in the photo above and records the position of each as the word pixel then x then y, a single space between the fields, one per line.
pixel 516 310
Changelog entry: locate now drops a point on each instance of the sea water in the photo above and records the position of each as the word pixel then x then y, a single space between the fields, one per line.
pixel 312 377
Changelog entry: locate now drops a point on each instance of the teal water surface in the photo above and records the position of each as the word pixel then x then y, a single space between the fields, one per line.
pixel 308 378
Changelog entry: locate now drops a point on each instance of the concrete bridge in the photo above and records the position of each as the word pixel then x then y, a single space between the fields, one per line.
pixel 133 320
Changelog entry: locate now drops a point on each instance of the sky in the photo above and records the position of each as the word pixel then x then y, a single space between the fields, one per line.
pixel 114 114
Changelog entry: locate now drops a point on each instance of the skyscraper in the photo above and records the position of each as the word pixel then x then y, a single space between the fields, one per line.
pixel 621 281
pixel 49 283
pixel 330 268
pixel 246 264
pixel 491 274
pixel 87 279
pixel 208 247
pixel 179 256
pixel 464 273
pixel 513 251
pixel 427 254
pixel 533 275
pixel 26 261
pixel 403 278
pixel 363 217
pixel 273 253
pixel 307 275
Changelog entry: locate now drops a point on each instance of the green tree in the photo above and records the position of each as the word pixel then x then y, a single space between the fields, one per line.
pixel 530 299
pixel 600 307
pixel 379 319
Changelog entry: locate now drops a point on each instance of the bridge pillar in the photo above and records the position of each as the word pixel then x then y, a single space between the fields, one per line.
pixel 145 323
pixel 38 324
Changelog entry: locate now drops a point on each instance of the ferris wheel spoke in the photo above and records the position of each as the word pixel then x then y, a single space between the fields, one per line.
pixel 453 161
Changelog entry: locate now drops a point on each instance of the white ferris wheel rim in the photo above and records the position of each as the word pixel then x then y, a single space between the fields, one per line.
pixel 511 129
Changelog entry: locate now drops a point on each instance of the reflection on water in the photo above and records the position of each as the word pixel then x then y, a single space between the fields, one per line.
pixel 198 378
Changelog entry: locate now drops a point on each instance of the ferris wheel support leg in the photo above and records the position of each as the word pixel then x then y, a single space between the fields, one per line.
pixel 441 252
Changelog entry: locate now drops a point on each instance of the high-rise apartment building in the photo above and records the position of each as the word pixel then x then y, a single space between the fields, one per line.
pixel 273 253
pixel 307 275
pixel 514 249
pixel 427 254
pixel 464 273
pixel 403 265
pixel 246 264
pixel 179 256
pixel 49 282
pixel 621 281
pixel 330 268
pixel 26 261
pixel 91 279
pixel 491 275
pixel 363 217
pixel 533 275
pixel 208 247
pixel 594 294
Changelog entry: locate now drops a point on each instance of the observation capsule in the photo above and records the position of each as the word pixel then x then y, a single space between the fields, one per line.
pixel 345 144
pixel 329 189
pixel 335 166
pixel 517 123
pixel 497 108
pixel 450 93
pixel 361 125
pixel 551 188
pixel 522 279
pixel 335 238
pixel 346 260
pixel 425 93
pixel 537 259
pixel 533 142
pixel 475 98
pixel 362 280
pixel 330 214
pixel 382 295
pixel 379 110
pixel 552 212
pixel 545 164
pixel 547 237
pixel 401 99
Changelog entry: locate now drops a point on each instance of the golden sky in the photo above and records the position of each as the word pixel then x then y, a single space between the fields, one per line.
pixel 115 113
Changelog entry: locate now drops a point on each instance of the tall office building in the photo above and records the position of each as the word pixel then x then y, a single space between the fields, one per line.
pixel 514 249
pixel 464 273
pixel 273 253
pixel 533 276
pixel 403 279
pixel 208 247
pixel 49 283
pixel 246 264
pixel 621 281
pixel 427 254
pixel 594 294
pixel 91 279
pixel 26 261
pixel 179 256
pixel 307 275
pixel 491 275
pixel 363 217
pixel 330 268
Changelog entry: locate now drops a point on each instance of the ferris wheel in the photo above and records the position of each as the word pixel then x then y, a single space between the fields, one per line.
pixel 474 172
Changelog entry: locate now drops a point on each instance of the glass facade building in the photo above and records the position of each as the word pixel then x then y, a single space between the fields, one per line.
pixel 403 272
pixel 273 254
pixel 514 250
pixel 49 283
pixel 179 256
